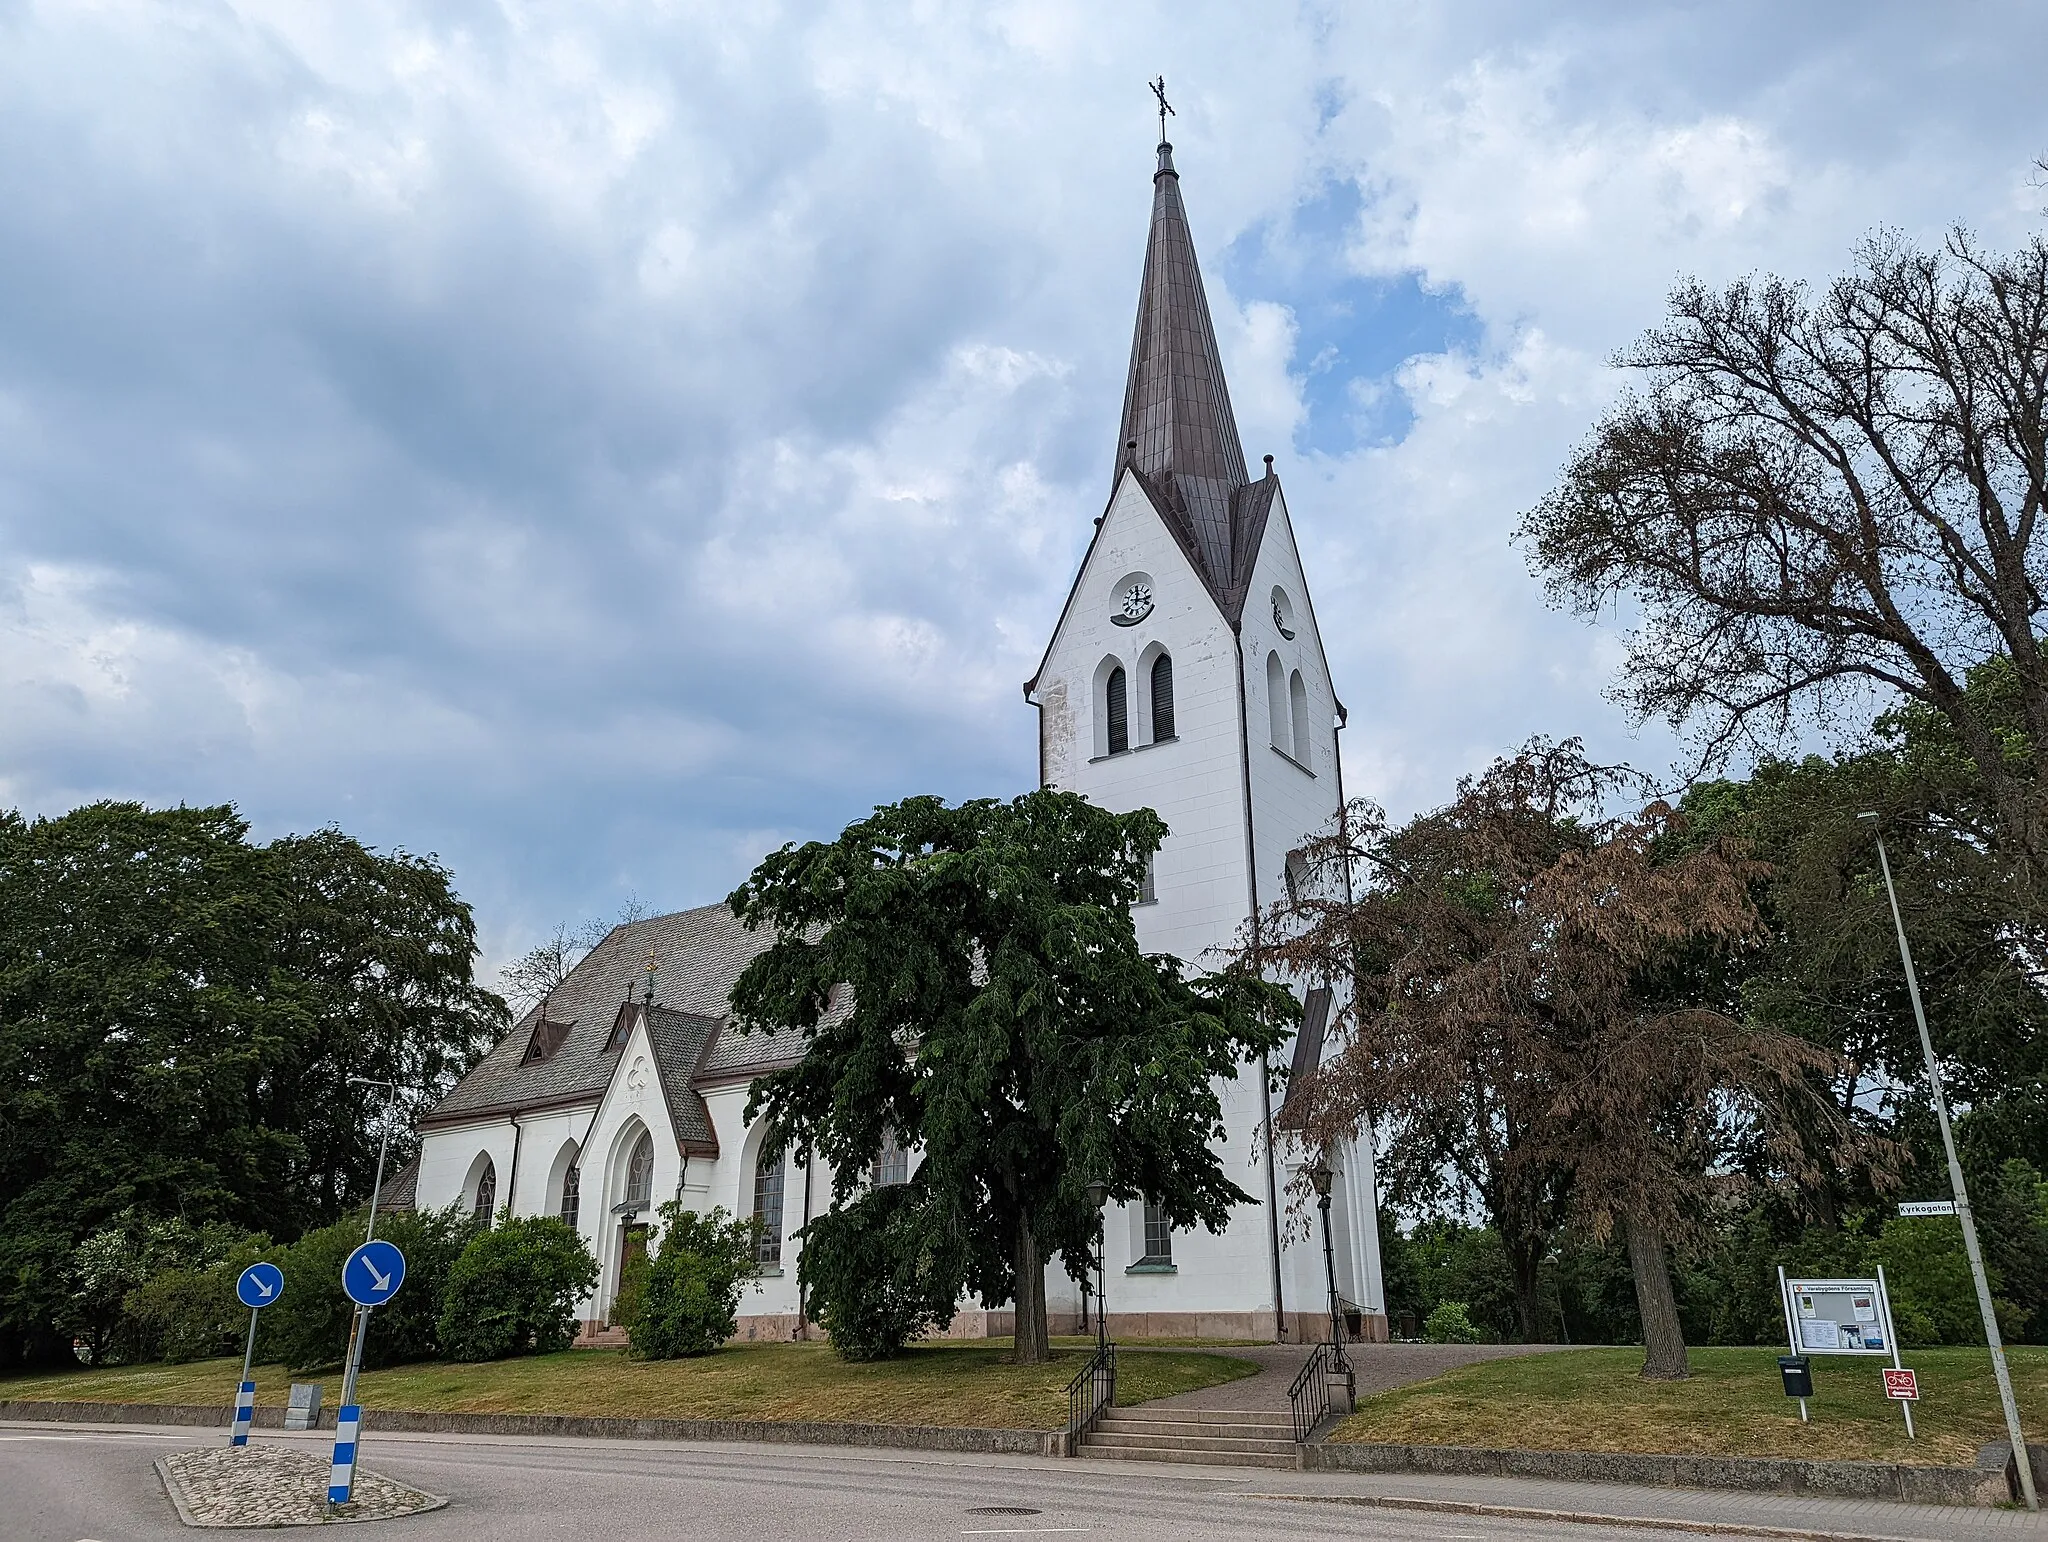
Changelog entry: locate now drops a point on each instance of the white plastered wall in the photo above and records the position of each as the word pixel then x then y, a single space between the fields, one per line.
pixel 1292 799
pixel 1196 783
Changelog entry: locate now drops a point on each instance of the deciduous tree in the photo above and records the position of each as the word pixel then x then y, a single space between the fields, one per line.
pixel 1821 499
pixel 998 1014
pixel 180 1011
pixel 1527 1014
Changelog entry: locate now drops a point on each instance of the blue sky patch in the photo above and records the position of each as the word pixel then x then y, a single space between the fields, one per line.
pixel 1353 330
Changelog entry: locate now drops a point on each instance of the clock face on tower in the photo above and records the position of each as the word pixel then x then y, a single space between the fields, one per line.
pixel 1134 603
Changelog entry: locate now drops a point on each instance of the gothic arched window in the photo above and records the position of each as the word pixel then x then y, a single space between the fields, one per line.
pixel 1297 708
pixel 572 1195
pixel 1117 704
pixel 1280 719
pixel 1162 697
pixel 640 1172
pixel 892 1162
pixel 768 1211
pixel 484 1203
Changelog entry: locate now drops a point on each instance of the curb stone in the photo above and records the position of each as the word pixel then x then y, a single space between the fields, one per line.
pixel 1587 1518
pixel 906 1437
pixel 266 1487
pixel 1988 1483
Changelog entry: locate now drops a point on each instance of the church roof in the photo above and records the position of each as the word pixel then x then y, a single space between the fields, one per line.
pixel 698 956
pixel 1178 431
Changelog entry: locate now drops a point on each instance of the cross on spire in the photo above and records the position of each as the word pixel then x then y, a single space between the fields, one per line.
pixel 1165 107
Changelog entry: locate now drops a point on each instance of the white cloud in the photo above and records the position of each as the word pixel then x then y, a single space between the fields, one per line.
pixel 599 441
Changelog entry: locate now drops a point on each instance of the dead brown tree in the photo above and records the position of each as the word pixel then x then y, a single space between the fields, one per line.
pixel 1818 499
pixel 1524 1012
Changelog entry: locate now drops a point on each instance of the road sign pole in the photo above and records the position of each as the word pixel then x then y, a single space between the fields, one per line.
pixel 370 1277
pixel 245 1391
pixel 348 1418
pixel 256 1287
pixel 1962 1193
pixel 1891 1334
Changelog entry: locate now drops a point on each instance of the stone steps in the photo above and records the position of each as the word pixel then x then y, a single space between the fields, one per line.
pixel 1229 1437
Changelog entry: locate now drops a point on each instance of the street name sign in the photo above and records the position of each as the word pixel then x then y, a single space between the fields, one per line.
pixel 1927 1207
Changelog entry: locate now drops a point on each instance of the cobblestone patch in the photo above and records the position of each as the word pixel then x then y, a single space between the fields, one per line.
pixel 270 1485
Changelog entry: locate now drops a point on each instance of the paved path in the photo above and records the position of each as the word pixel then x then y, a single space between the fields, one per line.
pixel 1378 1366
pixel 64 1484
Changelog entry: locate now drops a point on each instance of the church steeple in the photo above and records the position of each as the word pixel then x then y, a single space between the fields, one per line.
pixel 1176 405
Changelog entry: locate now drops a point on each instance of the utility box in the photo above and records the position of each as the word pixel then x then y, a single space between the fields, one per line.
pixel 303 1411
pixel 1797 1372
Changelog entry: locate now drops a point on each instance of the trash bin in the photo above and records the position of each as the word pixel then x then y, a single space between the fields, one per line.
pixel 1797 1372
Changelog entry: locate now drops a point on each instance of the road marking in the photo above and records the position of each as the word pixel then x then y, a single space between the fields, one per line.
pixel 1024 1531
pixel 110 1435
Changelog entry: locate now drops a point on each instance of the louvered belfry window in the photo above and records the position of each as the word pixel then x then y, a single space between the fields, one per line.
pixel 1162 698
pixel 1119 712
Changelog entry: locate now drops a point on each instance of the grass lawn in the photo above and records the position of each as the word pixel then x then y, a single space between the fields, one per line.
pixel 1732 1405
pixel 945 1384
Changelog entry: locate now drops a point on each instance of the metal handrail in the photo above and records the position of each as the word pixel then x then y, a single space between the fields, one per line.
pixel 1089 1393
pixel 1309 1397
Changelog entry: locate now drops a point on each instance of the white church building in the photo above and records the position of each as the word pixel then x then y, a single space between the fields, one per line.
pixel 1186 674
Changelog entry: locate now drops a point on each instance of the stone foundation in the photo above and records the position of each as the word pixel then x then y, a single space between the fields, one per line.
pixel 985 1323
pixel 1314 1327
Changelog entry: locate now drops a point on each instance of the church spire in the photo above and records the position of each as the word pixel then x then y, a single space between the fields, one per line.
pixel 1176 406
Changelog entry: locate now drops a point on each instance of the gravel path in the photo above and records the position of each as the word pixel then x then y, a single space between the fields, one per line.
pixel 1379 1367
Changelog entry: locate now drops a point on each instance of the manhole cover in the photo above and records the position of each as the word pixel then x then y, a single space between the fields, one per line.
pixel 1002 1510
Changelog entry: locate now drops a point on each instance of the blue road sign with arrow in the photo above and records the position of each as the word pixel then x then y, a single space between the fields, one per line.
pixel 373 1273
pixel 260 1285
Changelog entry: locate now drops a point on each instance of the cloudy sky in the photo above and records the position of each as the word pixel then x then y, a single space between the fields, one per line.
pixel 596 442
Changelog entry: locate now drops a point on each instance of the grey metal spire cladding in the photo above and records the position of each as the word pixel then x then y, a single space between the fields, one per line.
pixel 1176 406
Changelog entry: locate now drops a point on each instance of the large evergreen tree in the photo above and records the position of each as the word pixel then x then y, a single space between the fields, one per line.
pixel 180 1011
pixel 1001 1019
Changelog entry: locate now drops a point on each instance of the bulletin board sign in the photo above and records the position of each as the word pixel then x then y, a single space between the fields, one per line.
pixel 1839 1317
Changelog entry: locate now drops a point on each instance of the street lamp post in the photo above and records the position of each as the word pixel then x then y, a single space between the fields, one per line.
pixel 360 1322
pixel 1098 1191
pixel 1321 1176
pixel 1955 1177
pixel 383 1147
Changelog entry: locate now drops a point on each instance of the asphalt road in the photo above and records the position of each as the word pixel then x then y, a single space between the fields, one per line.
pixel 84 1484
pixel 65 1486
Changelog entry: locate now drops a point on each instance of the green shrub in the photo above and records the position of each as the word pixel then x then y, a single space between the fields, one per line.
pixel 690 1302
pixel 1450 1324
pixel 112 1264
pixel 514 1290
pixel 873 1276
pixel 308 1329
pixel 188 1314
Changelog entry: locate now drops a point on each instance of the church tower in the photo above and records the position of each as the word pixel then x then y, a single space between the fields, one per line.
pixel 1186 674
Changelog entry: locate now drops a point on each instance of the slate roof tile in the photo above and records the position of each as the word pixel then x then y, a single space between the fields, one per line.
pixel 698 956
